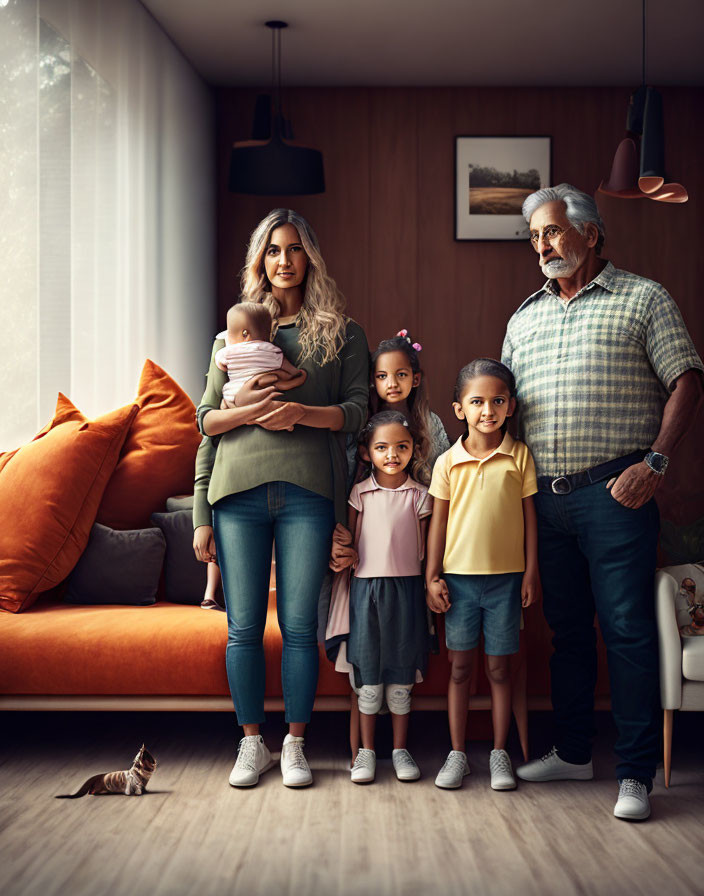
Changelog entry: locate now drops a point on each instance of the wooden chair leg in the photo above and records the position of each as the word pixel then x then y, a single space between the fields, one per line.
pixel 667 738
pixel 354 726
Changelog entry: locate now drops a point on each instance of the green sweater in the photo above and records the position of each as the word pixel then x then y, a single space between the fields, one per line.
pixel 314 459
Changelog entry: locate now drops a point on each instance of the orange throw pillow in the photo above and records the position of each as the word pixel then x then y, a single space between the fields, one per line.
pixel 50 490
pixel 159 455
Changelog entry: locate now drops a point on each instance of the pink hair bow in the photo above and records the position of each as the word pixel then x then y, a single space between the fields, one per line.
pixel 404 335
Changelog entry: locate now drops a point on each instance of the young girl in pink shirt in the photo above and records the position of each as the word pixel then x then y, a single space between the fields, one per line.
pixel 387 645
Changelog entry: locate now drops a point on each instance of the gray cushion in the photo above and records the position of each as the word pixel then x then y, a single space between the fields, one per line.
pixel 118 567
pixel 180 502
pixel 184 576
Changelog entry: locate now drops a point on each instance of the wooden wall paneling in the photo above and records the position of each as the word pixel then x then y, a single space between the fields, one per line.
pixel 393 238
pixel 437 300
pixel 336 121
pixel 237 214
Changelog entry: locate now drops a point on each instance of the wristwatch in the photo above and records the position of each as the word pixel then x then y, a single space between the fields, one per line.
pixel 657 462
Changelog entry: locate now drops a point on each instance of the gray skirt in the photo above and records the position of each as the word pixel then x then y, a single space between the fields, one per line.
pixel 388 638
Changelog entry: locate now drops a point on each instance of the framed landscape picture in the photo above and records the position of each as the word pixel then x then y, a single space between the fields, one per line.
pixel 493 175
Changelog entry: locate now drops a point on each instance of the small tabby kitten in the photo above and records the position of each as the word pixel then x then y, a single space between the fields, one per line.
pixel 132 782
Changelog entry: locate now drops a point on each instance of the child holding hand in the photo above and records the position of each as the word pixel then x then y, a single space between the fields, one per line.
pixel 482 564
pixel 387 645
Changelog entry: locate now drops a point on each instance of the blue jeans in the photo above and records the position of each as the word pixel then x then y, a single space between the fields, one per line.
pixel 299 523
pixel 597 556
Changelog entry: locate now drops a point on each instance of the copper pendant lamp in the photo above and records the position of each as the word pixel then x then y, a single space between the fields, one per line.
pixel 638 168
pixel 275 166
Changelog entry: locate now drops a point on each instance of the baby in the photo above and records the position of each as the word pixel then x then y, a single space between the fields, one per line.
pixel 248 352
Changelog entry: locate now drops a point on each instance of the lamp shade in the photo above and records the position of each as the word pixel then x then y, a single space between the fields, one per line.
pixel 261 122
pixel 622 182
pixel 275 168
pixel 652 144
pixel 652 154
pixel 270 164
pixel 636 110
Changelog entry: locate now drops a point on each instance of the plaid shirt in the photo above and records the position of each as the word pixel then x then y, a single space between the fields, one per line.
pixel 593 376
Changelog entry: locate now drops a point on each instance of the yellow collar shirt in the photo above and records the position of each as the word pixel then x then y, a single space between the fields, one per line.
pixel 485 532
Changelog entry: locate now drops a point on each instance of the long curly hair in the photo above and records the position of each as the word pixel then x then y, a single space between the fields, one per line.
pixel 321 319
pixel 366 436
pixel 418 407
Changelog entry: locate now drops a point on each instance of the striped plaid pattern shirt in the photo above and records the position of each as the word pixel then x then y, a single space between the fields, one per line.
pixel 593 376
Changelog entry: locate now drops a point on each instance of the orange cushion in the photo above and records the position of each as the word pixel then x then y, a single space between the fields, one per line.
pixel 165 648
pixel 158 457
pixel 49 493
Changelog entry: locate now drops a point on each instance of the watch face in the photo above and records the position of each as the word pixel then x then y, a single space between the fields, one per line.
pixel 657 462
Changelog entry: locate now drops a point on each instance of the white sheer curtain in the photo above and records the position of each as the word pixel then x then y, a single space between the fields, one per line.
pixel 107 218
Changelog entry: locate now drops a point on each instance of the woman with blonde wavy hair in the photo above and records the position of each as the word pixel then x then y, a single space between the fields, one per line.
pixel 278 478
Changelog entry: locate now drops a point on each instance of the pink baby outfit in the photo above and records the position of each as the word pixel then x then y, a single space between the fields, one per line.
pixel 243 360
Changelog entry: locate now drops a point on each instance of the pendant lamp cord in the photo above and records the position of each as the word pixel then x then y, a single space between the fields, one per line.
pixel 643 55
pixel 276 28
pixel 273 62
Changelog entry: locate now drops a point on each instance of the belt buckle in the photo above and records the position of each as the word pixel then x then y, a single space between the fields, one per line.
pixel 561 486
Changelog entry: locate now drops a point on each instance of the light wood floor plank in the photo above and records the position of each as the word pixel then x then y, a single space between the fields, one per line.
pixel 193 835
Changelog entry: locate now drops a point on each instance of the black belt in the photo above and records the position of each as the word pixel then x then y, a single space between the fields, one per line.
pixel 564 485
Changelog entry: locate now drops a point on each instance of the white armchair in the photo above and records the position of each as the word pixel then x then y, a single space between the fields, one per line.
pixel 681 658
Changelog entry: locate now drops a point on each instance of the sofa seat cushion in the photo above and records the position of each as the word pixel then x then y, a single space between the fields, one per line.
pixel 693 658
pixel 165 648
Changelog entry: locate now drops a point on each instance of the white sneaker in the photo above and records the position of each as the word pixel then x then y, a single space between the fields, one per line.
pixel 364 768
pixel 551 768
pixel 404 766
pixel 453 771
pixel 294 768
pixel 253 759
pixel 501 771
pixel 632 803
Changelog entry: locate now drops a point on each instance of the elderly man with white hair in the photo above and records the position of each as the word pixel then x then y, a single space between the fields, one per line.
pixel 608 382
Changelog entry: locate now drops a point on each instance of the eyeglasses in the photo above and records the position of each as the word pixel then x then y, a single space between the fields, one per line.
pixel 550 234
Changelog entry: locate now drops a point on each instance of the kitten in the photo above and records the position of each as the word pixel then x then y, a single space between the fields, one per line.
pixel 132 782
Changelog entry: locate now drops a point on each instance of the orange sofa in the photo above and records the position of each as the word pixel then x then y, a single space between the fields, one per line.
pixel 165 656
pixel 60 656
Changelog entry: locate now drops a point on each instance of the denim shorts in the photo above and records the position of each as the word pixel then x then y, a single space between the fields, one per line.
pixel 490 604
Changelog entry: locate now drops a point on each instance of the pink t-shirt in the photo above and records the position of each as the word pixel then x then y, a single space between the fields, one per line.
pixel 389 542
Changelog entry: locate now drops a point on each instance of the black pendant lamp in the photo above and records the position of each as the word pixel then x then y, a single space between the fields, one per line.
pixel 638 169
pixel 275 166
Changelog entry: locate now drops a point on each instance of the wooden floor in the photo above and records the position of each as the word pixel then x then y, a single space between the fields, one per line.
pixel 193 834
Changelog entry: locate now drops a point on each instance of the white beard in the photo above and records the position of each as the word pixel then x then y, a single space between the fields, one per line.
pixel 561 267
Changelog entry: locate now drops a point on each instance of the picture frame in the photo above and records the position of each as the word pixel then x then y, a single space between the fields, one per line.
pixel 505 169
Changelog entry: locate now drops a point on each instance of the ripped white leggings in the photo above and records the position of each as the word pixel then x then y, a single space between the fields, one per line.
pixel 370 696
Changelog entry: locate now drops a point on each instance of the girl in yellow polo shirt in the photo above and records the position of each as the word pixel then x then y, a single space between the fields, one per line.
pixel 482 555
